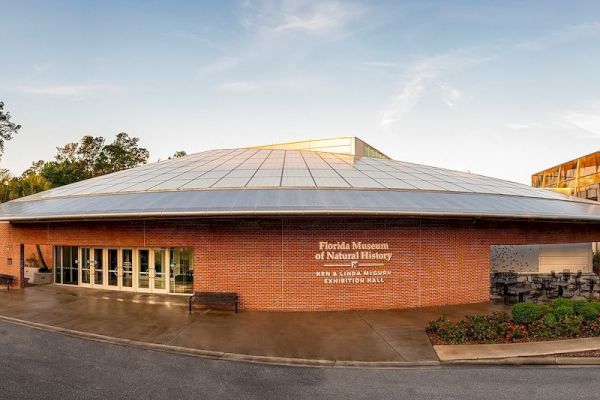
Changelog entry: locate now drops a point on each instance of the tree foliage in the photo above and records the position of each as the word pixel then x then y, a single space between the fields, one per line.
pixel 178 153
pixel 7 128
pixel 74 162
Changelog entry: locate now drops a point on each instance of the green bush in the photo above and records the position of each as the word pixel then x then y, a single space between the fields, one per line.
pixel 560 308
pixel 478 328
pixel 485 328
pixel 586 309
pixel 561 301
pixel 570 325
pixel 527 313
pixel 542 329
pixel 448 331
pixel 592 328
pixel 563 318
pixel 550 320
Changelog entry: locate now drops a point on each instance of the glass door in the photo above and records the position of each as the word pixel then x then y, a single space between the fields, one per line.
pixel 113 269
pixel 158 274
pixel 70 266
pixel 127 268
pixel 66 262
pixel 86 267
pixel 98 271
pixel 143 270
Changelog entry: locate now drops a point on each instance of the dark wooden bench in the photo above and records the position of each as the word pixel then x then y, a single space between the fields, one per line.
pixel 214 299
pixel 7 279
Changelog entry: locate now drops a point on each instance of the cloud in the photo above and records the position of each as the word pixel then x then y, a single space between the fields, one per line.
pixel 422 76
pixel 72 91
pixel 565 35
pixel 239 87
pixel 41 68
pixel 450 95
pixel 311 17
pixel 381 64
pixel 193 37
pixel 587 118
pixel 521 125
pixel 224 64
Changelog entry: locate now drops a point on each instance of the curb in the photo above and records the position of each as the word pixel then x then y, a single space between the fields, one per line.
pixel 218 355
pixel 541 360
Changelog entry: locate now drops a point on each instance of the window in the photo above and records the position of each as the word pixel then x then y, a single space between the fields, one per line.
pixel 181 270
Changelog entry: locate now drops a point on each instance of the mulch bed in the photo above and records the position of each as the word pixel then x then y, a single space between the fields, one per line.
pixel 591 353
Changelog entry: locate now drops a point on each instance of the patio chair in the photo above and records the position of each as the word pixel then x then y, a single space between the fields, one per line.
pixel 553 275
pixel 535 295
pixel 566 275
pixel 569 291
pixel 536 281
pixel 511 297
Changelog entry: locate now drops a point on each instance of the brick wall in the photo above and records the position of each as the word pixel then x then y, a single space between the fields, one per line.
pixel 271 262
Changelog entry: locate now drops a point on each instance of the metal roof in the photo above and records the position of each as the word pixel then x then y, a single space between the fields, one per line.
pixel 265 181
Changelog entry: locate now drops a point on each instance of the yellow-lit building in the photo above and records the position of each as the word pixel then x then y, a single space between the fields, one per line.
pixel 341 145
pixel 579 177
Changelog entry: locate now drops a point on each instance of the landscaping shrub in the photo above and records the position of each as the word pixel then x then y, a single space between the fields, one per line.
pixel 592 328
pixel 486 328
pixel 563 318
pixel 542 329
pixel 448 331
pixel 586 309
pixel 477 328
pixel 515 332
pixel 527 313
pixel 561 307
pixel 570 326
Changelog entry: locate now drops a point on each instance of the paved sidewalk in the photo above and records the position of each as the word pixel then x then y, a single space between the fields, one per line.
pixel 510 350
pixel 355 336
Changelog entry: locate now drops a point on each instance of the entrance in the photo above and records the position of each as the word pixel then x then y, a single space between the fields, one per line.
pixel 92 267
pixel 151 271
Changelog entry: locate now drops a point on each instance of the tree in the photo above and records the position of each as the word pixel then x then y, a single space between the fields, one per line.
pixel 7 128
pixel 28 185
pixel 75 162
pixel 5 178
pixel 178 153
pixel 36 168
pixel 64 173
pixel 122 154
pixel 91 153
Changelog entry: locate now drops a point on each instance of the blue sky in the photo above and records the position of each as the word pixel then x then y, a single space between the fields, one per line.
pixel 499 88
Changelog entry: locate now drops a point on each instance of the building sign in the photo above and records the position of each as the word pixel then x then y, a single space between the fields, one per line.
pixel 353 262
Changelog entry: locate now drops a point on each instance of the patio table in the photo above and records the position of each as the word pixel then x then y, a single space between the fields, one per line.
pixel 521 292
pixel 506 283
pixel 561 286
pixel 592 282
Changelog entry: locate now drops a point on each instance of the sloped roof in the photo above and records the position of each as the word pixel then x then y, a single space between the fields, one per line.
pixel 252 181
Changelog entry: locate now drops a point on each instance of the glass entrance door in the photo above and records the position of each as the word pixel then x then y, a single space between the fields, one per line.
pixel 127 268
pixel 113 269
pixel 143 269
pixel 86 267
pixel 158 274
pixel 98 271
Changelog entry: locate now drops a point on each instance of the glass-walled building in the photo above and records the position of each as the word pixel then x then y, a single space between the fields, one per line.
pixel 579 177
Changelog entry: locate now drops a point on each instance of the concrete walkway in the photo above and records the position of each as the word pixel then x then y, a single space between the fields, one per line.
pixel 510 350
pixel 353 336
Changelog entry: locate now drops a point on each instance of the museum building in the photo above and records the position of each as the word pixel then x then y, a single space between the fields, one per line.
pixel 331 224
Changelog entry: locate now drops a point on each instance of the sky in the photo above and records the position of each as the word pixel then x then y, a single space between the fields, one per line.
pixel 499 88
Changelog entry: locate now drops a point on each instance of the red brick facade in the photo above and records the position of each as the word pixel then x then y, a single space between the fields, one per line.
pixel 271 262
